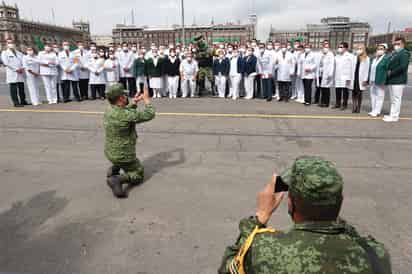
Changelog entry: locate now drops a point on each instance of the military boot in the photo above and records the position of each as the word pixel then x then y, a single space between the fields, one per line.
pixel 113 170
pixel 115 183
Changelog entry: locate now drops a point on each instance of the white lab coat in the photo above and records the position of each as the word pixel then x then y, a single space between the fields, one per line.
pixel 83 70
pixel 68 61
pixel 112 69
pixel 308 63
pixel 326 70
pixel 363 73
pixel 286 66
pixel 126 60
pixel 97 71
pixel 266 64
pixel 46 58
pixel 32 63
pixel 13 62
pixel 344 70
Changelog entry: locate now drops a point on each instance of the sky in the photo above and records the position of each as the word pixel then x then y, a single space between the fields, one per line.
pixel 104 14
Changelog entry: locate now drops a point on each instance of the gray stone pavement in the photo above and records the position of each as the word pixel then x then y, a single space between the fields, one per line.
pixel 203 173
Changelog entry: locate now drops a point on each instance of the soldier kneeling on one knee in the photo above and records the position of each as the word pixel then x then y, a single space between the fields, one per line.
pixel 120 121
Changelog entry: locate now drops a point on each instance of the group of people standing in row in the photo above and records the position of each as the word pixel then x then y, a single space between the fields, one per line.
pixel 256 70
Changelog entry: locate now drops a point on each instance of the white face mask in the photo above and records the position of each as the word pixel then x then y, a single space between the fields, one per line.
pixel 189 59
pixel 93 48
pixel 254 45
pixel 66 47
pixel 359 52
pixel 307 50
pixel 325 50
pixel 380 52
pixel 340 50
pixel 172 54
pixel 125 49
pixel 101 54
pixel 262 50
pixel 56 50
pixel 47 48
pixel 81 47
pixel 288 47
pixel 270 47
pixel 284 50
pixel 397 48
pixel 11 46
pixel 277 47
pixel 134 49
pixel 111 56
pixel 30 52
pixel 230 49
pixel 249 53
pixel 94 55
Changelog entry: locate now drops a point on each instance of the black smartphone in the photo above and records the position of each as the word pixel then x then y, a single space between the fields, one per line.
pixel 280 185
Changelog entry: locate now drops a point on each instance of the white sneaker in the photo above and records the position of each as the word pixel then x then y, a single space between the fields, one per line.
pixel 390 119
pixel 248 98
pixel 293 97
pixel 373 114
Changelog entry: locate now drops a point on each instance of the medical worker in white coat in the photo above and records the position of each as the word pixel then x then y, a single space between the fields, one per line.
pixel 112 68
pixel 326 72
pixel 83 56
pixel 13 61
pixel 49 73
pixel 286 72
pixel 300 92
pixel 31 66
pixel 69 64
pixel 309 65
pixel 360 77
pixel 97 75
pixel 343 75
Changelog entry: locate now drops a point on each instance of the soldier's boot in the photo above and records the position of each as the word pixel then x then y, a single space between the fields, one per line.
pixel 113 170
pixel 115 183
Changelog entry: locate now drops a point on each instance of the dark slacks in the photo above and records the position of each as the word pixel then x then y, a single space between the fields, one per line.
pixel 307 85
pixel 66 89
pixel 324 97
pixel 84 88
pixel 130 85
pixel 267 85
pixel 317 92
pixel 356 100
pixel 339 93
pixel 98 90
pixel 285 91
pixel 17 93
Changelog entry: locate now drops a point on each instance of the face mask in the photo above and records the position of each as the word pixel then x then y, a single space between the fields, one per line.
pixel 340 50
pixel 359 52
pixel 262 50
pixel 81 47
pixel 155 54
pixel 47 48
pixel 11 46
pixel 177 50
pixel 325 50
pixel 289 47
pixel 56 50
pixel 277 47
pixel 236 54
pixel 30 52
pixel 242 50
pixel 270 47
pixel 94 55
pixel 229 49
pixel 66 47
pixel 307 50
pixel 296 46
pixel 380 52
pixel 172 54
pixel 134 49
pixel 397 48
pixel 101 54
pixel 111 56
pixel 125 49
pixel 189 59
pixel 284 50
pixel 93 48
pixel 254 45
pixel 249 53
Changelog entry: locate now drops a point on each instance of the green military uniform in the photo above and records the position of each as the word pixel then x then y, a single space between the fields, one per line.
pixel 310 247
pixel 204 58
pixel 120 143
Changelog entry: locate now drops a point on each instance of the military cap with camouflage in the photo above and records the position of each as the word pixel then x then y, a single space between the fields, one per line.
pixel 315 180
pixel 115 91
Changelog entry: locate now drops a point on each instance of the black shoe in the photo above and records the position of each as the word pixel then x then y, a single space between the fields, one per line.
pixel 269 99
pixel 78 100
pixel 115 184
pixel 112 171
pixel 18 105
pixel 24 103
pixel 343 108
pixel 336 107
pixel 307 104
pixel 67 101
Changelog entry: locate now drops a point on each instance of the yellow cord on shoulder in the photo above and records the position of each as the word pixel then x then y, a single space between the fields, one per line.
pixel 237 267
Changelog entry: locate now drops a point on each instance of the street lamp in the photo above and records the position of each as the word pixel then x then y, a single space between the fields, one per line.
pixel 183 23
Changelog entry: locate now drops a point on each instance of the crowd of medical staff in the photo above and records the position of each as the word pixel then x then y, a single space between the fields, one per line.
pixel 283 71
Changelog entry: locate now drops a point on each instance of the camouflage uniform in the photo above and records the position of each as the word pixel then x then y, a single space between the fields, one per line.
pixel 204 59
pixel 310 247
pixel 120 144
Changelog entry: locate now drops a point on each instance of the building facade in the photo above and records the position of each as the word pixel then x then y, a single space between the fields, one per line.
pixel 102 40
pixel 334 29
pixel 165 36
pixel 34 34
pixel 389 38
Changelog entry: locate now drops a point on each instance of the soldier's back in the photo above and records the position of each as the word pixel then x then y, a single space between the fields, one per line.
pixel 314 248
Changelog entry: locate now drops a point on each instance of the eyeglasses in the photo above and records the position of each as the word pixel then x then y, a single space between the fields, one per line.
pixel 341 47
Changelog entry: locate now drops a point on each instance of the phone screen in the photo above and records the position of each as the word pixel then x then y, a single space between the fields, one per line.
pixel 280 185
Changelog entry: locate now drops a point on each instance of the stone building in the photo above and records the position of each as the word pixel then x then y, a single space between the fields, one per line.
pixel 165 36
pixel 389 38
pixel 35 34
pixel 334 29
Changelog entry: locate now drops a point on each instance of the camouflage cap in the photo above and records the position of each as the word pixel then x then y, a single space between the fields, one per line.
pixel 115 91
pixel 314 180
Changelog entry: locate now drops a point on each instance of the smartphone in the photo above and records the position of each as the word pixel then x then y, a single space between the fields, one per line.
pixel 280 185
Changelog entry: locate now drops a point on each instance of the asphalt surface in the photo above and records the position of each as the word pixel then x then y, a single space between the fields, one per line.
pixel 203 172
